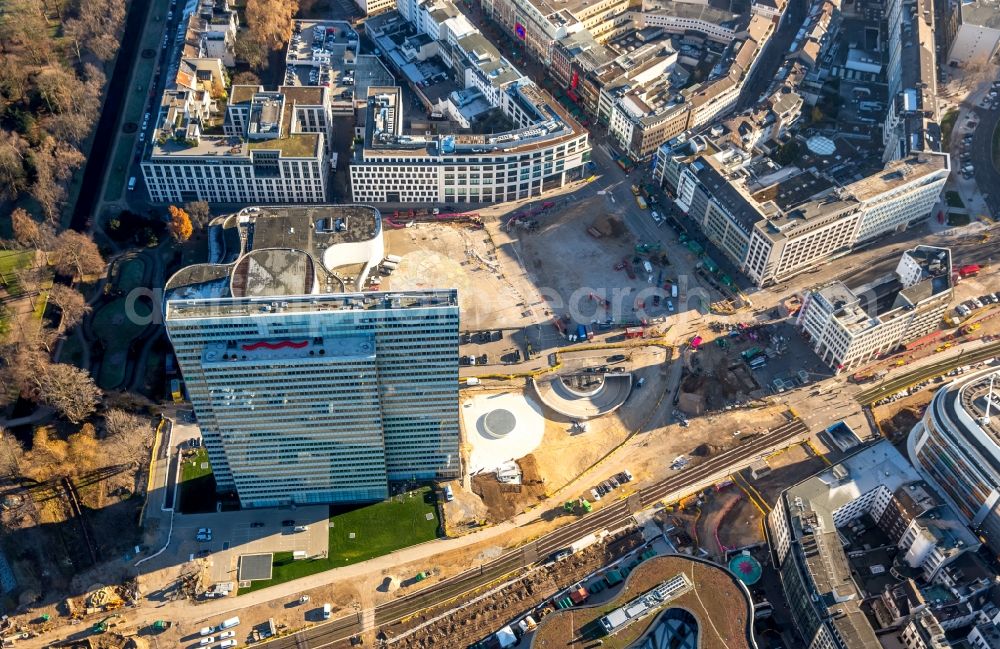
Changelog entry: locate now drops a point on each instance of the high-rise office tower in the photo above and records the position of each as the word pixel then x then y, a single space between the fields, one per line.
pixel 308 390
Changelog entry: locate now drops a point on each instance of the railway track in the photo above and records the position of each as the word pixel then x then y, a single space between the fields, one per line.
pixel 885 388
pixel 614 515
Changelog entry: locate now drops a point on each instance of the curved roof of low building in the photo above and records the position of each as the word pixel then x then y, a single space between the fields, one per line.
pixel 719 603
pixel 574 404
pixel 274 251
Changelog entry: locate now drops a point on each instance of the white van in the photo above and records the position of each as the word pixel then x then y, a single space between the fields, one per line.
pixel 327 610
pixel 131 183
pixel 230 623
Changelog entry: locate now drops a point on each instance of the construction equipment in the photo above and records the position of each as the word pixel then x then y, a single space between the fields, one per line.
pixel 109 622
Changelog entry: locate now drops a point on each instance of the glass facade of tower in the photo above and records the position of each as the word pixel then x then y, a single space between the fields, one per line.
pixel 322 398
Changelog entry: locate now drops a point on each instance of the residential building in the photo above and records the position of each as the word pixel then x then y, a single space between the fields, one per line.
pixel 923 631
pixel 243 144
pixel 678 17
pixel 306 389
pixel 373 7
pixel 267 147
pixel 978 34
pixel 809 528
pixel 985 635
pixel 956 446
pixel 911 122
pixel 539 24
pixel 849 327
pixel 929 533
pixel 211 32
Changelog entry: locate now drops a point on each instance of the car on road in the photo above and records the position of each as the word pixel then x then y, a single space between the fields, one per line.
pixel 288 522
pixel 301 528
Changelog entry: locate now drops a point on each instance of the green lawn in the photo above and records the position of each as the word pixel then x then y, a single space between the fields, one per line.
pixel 196 491
pixel 947 126
pixel 117 329
pixel 72 351
pixel 953 199
pixel 956 219
pixel 130 274
pixel 378 529
pixel 11 260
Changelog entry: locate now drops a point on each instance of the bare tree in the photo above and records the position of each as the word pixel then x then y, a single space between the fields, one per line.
pixel 26 230
pixel 69 390
pixel 251 50
pixel 76 253
pixel 54 164
pixel 23 23
pixel 128 437
pixel 96 27
pixel 72 306
pixel 245 78
pixel 11 454
pixel 84 449
pixel 199 212
pixel 13 179
pixel 270 21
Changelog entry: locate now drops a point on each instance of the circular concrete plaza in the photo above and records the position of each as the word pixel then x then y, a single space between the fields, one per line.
pixel 501 427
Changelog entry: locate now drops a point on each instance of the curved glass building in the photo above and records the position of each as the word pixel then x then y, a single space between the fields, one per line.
pixel 957 449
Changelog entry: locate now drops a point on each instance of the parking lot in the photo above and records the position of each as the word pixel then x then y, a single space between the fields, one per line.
pixel 248 532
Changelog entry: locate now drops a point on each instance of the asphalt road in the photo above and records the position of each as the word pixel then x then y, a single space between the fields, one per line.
pixel 898 383
pixel 773 57
pixel 114 104
pixel 611 517
pixel 986 175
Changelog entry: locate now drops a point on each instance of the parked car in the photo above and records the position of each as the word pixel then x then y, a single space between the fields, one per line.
pixel 207 641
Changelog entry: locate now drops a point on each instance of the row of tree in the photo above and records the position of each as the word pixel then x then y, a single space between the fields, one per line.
pixel 26 367
pixel 51 84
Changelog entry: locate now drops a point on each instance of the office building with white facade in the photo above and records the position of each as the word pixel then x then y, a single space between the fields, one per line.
pixel 243 144
pixel 306 389
pixel 808 529
pixel 774 221
pixel 544 149
pixel 956 446
pixel 849 327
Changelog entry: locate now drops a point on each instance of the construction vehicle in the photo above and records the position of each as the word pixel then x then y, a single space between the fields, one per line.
pixel 160 626
pixel 969 270
pixel 968 329
pixel 109 622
